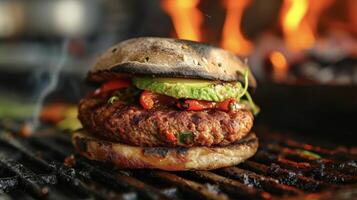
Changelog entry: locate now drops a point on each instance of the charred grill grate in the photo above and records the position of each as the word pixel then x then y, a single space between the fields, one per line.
pixel 33 168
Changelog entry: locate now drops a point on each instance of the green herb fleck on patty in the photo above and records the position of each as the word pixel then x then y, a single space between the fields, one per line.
pixel 185 137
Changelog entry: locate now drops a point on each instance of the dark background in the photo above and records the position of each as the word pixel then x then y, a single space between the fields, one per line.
pixel 54 43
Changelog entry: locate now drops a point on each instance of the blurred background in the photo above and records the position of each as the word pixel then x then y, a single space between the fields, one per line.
pixel 303 53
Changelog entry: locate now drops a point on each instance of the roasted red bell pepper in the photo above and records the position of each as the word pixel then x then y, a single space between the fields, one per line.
pixel 149 99
pixel 112 85
pixel 196 105
pixel 226 104
pixel 171 137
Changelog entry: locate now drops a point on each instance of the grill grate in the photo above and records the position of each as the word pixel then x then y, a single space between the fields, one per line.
pixel 33 168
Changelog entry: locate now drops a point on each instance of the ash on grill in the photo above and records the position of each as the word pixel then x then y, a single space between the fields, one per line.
pixel 35 167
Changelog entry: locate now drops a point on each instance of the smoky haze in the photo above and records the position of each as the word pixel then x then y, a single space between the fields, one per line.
pixel 50 84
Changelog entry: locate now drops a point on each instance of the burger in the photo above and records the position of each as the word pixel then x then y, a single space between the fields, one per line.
pixel 168 104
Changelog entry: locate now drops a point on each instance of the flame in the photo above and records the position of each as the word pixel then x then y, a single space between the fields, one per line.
pixel 298 34
pixel 299 20
pixel 186 17
pixel 352 5
pixel 280 65
pixel 233 39
pixel 315 10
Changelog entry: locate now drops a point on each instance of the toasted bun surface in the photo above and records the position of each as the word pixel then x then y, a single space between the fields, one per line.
pixel 172 159
pixel 166 57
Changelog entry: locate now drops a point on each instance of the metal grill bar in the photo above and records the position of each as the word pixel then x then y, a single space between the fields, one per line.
pixel 232 186
pixel 32 183
pixel 58 172
pixel 314 170
pixel 120 181
pixel 189 186
pixel 285 176
pixel 266 183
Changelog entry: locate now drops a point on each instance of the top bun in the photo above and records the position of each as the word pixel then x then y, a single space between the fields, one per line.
pixel 166 57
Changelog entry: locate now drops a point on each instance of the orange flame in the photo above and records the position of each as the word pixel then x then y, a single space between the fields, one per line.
pixel 186 18
pixel 280 66
pixel 297 32
pixel 233 38
pixel 352 5
pixel 315 10
pixel 299 20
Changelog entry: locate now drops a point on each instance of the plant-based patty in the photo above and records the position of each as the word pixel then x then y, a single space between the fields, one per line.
pixel 169 127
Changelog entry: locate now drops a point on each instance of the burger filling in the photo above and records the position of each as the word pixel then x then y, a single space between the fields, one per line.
pixel 167 112
pixel 184 94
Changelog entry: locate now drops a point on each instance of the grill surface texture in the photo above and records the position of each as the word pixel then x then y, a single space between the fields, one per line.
pixel 285 167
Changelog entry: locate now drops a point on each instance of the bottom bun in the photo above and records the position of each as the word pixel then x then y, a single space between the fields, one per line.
pixel 172 159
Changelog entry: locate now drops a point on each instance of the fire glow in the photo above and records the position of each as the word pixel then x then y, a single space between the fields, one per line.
pixel 187 20
pixel 297 32
pixel 186 17
pixel 280 66
pixel 299 20
pixel 304 26
pixel 233 38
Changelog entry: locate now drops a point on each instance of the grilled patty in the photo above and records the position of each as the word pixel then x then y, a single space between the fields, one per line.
pixel 169 127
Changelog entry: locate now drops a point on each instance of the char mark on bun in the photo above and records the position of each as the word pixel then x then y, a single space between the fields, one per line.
pixel 168 104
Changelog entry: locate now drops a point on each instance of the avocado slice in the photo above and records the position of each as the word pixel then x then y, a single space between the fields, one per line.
pixel 191 88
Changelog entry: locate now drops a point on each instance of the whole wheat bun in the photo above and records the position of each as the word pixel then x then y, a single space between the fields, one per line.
pixel 166 57
pixel 171 159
